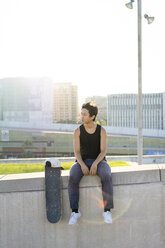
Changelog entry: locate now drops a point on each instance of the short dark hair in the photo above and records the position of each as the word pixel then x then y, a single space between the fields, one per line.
pixel 92 108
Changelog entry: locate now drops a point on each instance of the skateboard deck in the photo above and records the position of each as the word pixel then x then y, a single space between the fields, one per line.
pixel 53 193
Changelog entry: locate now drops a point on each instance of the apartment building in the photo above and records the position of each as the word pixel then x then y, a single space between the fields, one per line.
pixel 65 102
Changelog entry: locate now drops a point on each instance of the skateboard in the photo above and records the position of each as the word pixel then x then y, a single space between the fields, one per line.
pixel 53 189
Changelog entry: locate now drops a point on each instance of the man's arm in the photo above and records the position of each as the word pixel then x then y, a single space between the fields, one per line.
pixel 76 144
pixel 103 149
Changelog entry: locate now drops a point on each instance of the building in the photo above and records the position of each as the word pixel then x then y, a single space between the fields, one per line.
pixel 37 100
pixel 101 102
pixel 65 102
pixel 122 111
pixel 26 100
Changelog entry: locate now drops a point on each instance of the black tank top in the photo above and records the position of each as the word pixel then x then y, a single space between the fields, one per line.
pixel 90 143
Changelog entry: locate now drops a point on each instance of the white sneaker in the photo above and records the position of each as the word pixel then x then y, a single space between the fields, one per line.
pixel 74 217
pixel 107 217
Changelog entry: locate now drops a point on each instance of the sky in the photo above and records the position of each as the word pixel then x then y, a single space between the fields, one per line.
pixel 91 43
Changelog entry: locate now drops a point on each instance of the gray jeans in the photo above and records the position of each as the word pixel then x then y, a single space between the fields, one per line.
pixel 103 171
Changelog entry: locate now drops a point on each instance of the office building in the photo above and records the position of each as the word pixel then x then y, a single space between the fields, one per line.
pixel 122 111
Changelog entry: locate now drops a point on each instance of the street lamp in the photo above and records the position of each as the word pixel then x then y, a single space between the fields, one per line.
pixel 139 103
pixel 130 4
pixel 150 19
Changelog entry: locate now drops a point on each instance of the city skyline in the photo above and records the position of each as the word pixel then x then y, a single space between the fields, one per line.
pixel 92 44
pixel 47 81
pixel 41 99
pixel 37 99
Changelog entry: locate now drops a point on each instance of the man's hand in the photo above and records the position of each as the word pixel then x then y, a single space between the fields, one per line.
pixel 85 170
pixel 93 169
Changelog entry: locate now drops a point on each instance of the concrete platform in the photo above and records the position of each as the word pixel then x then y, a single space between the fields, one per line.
pixel 138 215
pixel 120 176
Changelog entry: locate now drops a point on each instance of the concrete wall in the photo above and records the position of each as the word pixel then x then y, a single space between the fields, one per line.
pixel 138 216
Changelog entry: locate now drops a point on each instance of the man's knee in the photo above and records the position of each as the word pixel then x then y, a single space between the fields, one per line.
pixel 104 171
pixel 75 174
pixel 105 177
pixel 104 167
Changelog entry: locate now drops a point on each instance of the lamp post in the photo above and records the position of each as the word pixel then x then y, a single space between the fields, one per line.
pixel 140 100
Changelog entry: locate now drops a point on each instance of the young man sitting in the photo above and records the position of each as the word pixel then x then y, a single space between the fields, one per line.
pixel 90 151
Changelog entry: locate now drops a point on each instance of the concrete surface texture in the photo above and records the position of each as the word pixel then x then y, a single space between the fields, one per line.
pixel 138 216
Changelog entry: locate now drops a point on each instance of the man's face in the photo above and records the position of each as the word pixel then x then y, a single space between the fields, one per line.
pixel 85 117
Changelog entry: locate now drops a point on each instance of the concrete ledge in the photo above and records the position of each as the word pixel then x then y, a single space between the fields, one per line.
pixel 162 172
pixel 138 216
pixel 22 182
pixel 136 174
pixel 120 176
